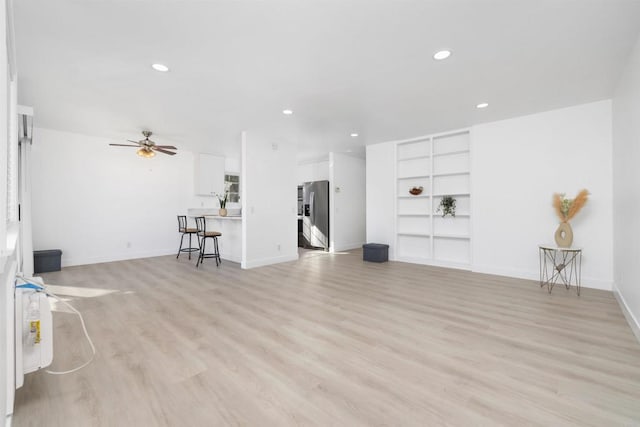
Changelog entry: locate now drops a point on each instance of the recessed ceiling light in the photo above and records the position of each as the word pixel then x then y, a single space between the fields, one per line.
pixel 354 135
pixel 443 54
pixel 160 67
pixel 287 112
pixel 482 105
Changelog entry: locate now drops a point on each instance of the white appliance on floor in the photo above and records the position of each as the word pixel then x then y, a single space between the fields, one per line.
pixel 34 332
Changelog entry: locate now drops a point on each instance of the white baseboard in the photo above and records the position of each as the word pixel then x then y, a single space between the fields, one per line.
pixel 628 314
pixel 587 282
pixel 434 263
pixel 348 246
pixel 71 261
pixel 268 261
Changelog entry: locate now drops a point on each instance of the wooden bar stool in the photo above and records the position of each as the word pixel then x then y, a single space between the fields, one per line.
pixel 182 228
pixel 203 235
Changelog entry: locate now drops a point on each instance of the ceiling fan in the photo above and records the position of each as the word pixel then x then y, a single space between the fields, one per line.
pixel 146 147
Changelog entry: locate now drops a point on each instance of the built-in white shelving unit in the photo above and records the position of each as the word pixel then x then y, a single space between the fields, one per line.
pixel 440 164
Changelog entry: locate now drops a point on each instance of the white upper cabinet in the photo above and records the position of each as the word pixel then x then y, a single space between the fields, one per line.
pixel 209 175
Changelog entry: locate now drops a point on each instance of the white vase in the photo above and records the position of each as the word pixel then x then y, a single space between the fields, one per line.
pixel 564 235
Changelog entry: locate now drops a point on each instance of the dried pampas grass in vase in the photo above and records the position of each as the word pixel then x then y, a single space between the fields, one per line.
pixel 566 209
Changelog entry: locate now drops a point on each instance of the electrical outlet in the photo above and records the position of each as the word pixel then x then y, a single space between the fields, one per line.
pixel 128 244
pixel 278 247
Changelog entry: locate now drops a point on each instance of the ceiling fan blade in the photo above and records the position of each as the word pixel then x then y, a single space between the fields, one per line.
pixel 155 148
pixel 171 147
pixel 137 142
pixel 124 145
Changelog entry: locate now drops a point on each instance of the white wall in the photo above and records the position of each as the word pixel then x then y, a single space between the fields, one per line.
pixel 347 206
pixel 99 203
pixel 380 195
pixel 517 165
pixel 269 202
pixel 312 171
pixel 4 271
pixel 626 179
pixel 8 235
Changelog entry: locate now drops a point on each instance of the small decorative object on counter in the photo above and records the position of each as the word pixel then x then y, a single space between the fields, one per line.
pixel 222 198
pixel 416 190
pixel 447 206
pixel 566 209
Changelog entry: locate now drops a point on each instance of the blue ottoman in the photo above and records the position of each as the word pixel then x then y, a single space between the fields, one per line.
pixel 375 252
pixel 46 261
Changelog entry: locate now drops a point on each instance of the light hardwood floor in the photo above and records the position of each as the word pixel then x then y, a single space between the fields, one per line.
pixel 330 340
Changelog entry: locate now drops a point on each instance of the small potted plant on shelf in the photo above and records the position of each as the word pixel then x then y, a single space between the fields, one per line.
pixel 447 206
pixel 222 198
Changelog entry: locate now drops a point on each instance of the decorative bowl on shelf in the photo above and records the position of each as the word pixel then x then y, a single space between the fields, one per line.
pixel 415 191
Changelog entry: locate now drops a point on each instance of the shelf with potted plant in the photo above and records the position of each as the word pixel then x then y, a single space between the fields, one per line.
pixel 440 165
pixel 450 194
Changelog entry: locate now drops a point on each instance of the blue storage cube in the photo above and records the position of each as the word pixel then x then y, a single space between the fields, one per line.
pixel 375 252
pixel 46 261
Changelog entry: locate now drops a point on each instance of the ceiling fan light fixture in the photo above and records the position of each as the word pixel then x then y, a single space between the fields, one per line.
pixel 145 152
pixel 147 148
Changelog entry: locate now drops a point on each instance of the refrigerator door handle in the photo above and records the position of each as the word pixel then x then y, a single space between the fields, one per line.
pixel 311 208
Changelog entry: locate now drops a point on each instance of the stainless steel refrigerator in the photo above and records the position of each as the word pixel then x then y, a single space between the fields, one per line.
pixel 315 220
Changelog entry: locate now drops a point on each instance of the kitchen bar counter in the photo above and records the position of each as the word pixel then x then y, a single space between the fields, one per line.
pixel 230 243
pixel 237 218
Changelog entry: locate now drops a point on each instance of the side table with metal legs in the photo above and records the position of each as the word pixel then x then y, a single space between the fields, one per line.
pixel 560 265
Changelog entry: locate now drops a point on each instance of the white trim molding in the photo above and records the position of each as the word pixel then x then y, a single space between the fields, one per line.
pixel 268 261
pixel 81 260
pixel 587 282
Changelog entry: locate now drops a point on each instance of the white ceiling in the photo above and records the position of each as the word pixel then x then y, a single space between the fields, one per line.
pixel 342 65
